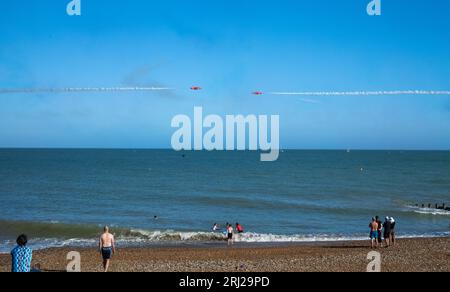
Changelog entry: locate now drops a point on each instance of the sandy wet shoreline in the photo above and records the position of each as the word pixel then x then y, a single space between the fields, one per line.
pixel 421 254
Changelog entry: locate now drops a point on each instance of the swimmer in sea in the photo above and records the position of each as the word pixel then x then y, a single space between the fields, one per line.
pixel 215 227
pixel 239 228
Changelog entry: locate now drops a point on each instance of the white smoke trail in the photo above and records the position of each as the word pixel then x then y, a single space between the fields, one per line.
pixel 363 93
pixel 80 89
pixel 142 89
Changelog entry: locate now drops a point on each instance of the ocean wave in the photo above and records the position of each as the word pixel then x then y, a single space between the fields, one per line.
pixel 428 211
pixel 140 238
pixel 143 238
pixel 161 236
pixel 250 237
pixel 59 235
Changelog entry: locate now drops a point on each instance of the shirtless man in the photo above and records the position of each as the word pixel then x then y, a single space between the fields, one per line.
pixel 374 232
pixel 230 234
pixel 107 247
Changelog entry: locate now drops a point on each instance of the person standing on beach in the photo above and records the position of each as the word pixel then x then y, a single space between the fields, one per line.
pixel 107 247
pixel 392 236
pixel 374 232
pixel 380 229
pixel 21 256
pixel 387 227
pixel 230 234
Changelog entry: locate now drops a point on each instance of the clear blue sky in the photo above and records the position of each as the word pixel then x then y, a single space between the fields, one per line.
pixel 230 48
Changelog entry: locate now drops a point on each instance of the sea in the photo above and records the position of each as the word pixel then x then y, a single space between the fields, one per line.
pixel 63 197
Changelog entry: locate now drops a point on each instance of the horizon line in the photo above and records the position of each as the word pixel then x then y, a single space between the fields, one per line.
pixel 166 149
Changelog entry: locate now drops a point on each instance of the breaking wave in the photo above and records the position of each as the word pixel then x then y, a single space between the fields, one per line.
pixel 428 211
pixel 59 235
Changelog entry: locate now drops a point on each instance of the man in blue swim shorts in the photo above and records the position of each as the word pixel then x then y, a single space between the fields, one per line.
pixel 374 232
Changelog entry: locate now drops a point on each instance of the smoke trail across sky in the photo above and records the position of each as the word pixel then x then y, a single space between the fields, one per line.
pixel 363 93
pixel 143 89
pixel 80 89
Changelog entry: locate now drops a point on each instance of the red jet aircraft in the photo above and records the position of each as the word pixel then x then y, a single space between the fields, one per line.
pixel 196 88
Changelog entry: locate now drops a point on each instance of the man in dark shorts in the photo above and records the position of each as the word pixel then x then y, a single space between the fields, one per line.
pixel 107 247
pixel 230 234
pixel 392 220
pixel 387 227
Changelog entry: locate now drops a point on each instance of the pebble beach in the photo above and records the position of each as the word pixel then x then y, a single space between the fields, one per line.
pixel 409 255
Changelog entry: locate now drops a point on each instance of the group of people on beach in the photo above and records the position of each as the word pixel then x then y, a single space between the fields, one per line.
pixel 229 231
pixel 22 255
pixel 380 230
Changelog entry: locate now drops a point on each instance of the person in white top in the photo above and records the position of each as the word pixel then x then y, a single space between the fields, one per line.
pixel 215 227
pixel 392 230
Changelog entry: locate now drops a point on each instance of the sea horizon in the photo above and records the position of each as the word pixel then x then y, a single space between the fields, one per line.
pixel 203 150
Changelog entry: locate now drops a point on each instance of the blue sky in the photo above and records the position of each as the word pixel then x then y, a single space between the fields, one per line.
pixel 230 48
